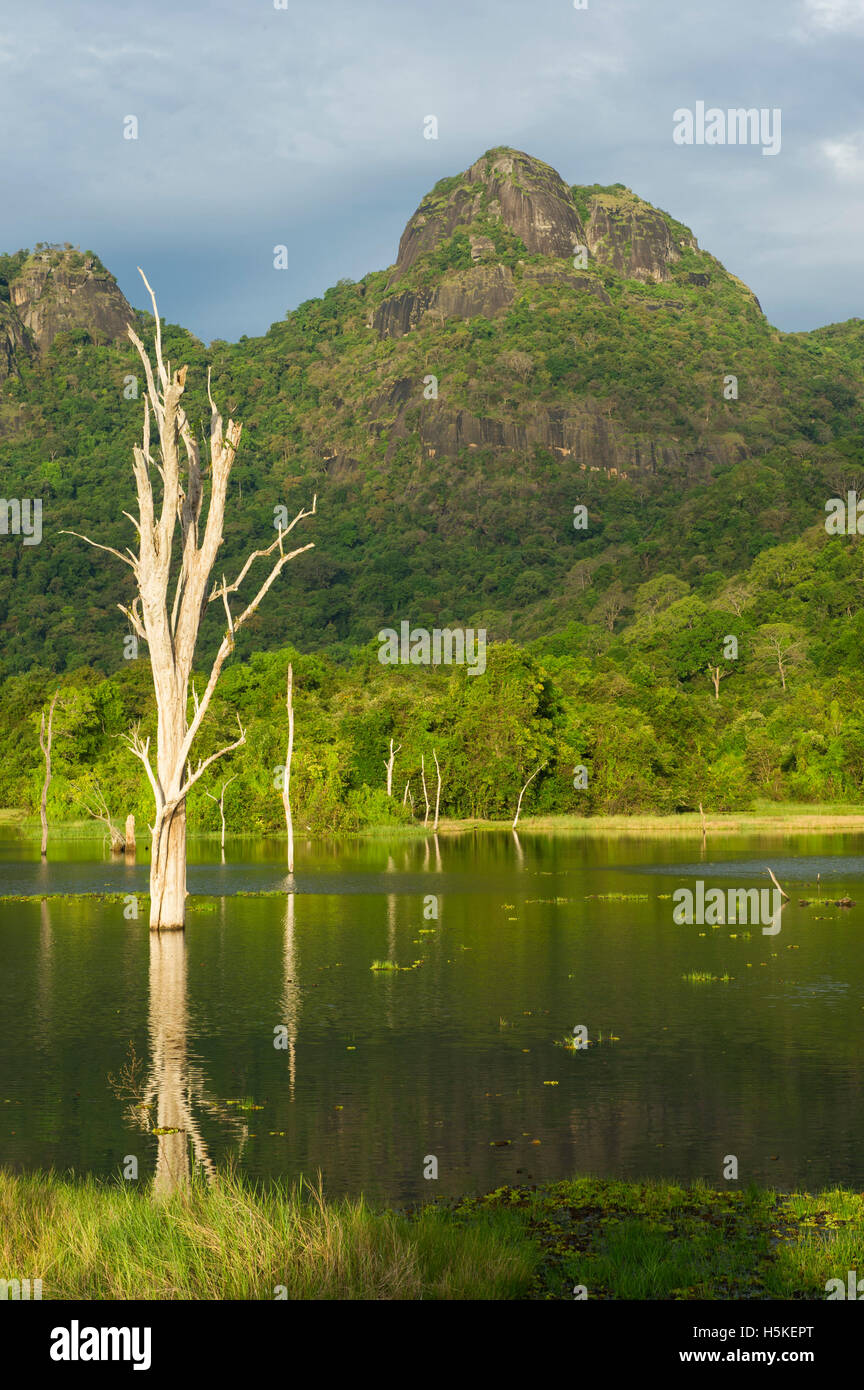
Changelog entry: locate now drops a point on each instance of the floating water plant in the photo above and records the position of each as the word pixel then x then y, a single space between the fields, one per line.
pixel 618 897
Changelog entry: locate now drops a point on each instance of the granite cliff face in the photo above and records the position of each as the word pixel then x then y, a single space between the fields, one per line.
pixel 633 238
pixel 63 291
pixel 507 241
pixel 468 238
pixel 15 341
pixel 523 193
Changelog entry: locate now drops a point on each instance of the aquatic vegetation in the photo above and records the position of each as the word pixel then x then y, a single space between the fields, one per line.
pixel 572 1044
pixel 618 897
pixel 392 966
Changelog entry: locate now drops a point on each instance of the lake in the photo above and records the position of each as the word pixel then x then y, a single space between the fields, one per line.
pixel 454 1058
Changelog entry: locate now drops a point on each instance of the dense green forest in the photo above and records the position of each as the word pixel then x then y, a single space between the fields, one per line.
pixel 638 709
pixel 451 413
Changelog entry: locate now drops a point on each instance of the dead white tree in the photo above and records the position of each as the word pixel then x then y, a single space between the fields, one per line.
pixel 100 811
pixel 779 644
pixel 220 802
pixel 717 674
pixel 438 792
pixel 523 791
pixel 388 763
pixel 286 779
pixel 45 745
pixel 425 793
pixel 170 628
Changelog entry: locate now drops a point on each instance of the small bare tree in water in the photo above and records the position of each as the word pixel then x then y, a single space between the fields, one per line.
pixel 170 626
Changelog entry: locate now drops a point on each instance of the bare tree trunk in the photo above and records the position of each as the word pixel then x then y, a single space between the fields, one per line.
pixel 405 793
pixel 220 802
pixel 425 793
pixel 716 677
pixel 438 792
pixel 523 791
pixel 776 884
pixel 286 781
pixel 170 627
pixel 46 749
pixel 389 766
pixel 129 837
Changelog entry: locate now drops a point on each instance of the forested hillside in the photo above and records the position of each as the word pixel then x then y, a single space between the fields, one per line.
pixel 601 386
pixel 534 348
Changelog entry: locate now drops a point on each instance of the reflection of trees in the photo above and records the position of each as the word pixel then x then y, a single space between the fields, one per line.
pixel 291 992
pixel 174 1084
pixel 45 966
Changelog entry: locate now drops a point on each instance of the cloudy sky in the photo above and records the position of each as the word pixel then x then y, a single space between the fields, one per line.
pixel 303 126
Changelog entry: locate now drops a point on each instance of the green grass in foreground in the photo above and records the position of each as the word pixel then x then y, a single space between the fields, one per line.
pixel 617 1239
pixel 230 1241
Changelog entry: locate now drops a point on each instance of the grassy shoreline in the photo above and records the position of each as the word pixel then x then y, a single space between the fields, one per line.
pixel 614 1239
pixel 764 818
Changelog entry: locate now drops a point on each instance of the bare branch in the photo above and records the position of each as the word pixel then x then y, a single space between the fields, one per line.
pixel 141 748
pixel 203 766
pixel 109 549
pixel 163 374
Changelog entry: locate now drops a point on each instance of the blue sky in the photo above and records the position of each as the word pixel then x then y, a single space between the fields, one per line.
pixel 303 126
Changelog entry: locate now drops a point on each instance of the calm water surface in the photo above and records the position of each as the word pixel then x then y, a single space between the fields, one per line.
pixel 449 1059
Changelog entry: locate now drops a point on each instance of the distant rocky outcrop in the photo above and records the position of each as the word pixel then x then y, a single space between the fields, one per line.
pixel 64 290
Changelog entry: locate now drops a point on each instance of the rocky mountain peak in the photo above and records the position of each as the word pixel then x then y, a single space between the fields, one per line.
pixel 504 188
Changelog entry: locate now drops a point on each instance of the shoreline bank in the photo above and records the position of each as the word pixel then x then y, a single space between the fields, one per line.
pixel 611 1238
